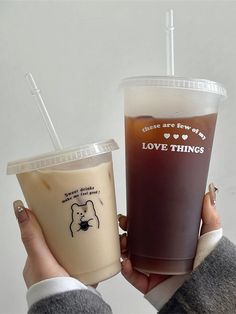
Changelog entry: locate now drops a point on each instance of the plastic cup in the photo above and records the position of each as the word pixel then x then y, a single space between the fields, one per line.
pixel 71 192
pixel 169 130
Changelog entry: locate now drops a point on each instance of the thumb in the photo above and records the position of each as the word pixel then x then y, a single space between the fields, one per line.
pixel 31 233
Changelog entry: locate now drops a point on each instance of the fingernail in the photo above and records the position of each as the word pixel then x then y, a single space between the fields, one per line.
pixel 20 212
pixel 124 262
pixel 119 216
pixel 212 191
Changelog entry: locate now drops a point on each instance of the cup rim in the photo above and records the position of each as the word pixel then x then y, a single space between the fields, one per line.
pixel 176 82
pixel 59 157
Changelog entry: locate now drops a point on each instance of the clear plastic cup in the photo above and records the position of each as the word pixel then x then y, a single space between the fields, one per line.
pixel 169 131
pixel 71 192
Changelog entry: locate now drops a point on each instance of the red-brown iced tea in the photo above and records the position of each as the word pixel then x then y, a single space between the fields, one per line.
pixel 167 164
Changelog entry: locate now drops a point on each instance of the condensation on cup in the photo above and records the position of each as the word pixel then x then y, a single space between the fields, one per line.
pixel 71 192
pixel 169 131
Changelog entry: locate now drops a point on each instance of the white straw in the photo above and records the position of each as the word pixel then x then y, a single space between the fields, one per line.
pixel 35 91
pixel 170 62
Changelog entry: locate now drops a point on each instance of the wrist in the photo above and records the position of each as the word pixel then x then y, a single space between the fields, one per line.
pixel 51 286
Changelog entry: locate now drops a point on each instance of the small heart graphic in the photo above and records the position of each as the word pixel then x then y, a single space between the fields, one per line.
pixel 175 136
pixel 184 137
pixel 166 135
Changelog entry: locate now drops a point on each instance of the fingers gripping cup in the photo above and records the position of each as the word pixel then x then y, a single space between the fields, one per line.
pixel 169 131
pixel 71 192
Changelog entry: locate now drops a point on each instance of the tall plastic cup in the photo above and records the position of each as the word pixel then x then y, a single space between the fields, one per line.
pixel 71 192
pixel 169 131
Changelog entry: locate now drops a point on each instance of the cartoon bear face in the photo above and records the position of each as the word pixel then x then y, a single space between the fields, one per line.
pixel 84 217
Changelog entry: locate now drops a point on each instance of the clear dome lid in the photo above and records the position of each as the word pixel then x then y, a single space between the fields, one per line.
pixel 176 82
pixel 59 157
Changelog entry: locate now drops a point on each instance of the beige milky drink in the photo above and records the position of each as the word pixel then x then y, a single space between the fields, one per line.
pixel 72 195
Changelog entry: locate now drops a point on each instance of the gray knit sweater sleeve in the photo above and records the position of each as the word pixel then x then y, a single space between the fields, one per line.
pixel 71 302
pixel 211 288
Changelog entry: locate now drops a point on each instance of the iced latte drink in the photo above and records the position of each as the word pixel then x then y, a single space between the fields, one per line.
pixel 72 195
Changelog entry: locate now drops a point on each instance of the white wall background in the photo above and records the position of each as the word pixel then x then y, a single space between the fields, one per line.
pixel 78 52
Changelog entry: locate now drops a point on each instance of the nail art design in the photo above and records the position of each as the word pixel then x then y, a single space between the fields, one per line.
pixel 20 209
pixel 20 212
pixel 212 191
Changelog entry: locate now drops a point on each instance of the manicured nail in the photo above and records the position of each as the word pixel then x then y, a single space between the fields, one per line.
pixel 212 191
pixel 20 212
pixel 119 216
pixel 124 262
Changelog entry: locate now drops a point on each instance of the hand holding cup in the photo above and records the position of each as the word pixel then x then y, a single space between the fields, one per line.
pixel 144 282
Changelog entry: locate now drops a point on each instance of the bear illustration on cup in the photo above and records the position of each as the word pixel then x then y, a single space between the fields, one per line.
pixel 84 217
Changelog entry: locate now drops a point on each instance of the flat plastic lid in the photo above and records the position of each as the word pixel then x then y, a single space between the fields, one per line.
pixel 60 157
pixel 176 82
